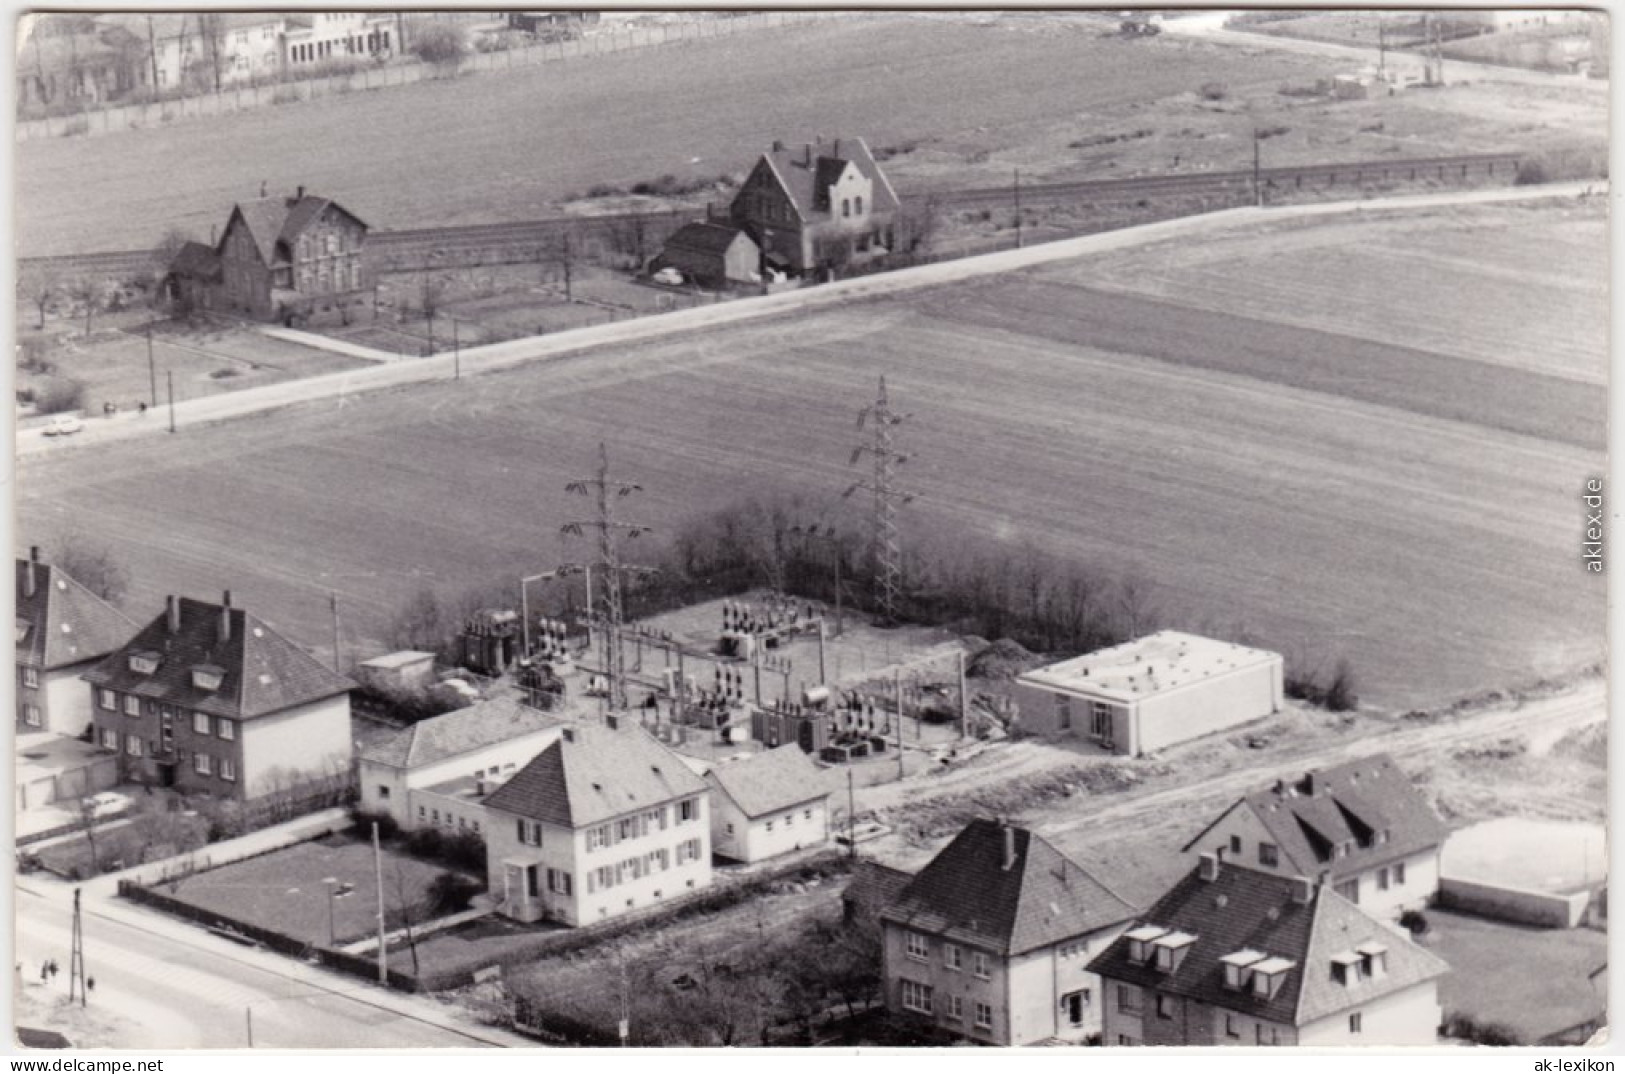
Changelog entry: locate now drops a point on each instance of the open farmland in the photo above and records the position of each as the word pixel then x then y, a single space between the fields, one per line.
pixel 1237 461
pixel 481 149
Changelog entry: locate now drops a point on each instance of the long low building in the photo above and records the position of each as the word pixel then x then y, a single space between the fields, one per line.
pixel 1151 693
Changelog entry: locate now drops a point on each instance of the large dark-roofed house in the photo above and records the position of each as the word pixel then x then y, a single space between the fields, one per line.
pixel 1362 827
pixel 820 206
pixel 296 260
pixel 62 629
pixel 210 699
pixel 1232 955
pixel 992 939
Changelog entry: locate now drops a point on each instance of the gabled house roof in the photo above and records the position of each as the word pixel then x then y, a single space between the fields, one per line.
pixel 593 774
pixel 768 782
pixel 874 887
pixel 62 623
pixel 1255 919
pixel 280 219
pixel 196 261
pixel 1006 890
pixel 805 181
pixel 707 238
pixel 1343 820
pixel 260 672
pixel 450 735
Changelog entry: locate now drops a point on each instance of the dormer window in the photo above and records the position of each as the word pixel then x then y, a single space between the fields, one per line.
pixel 1373 959
pixel 1170 950
pixel 207 677
pixel 1345 967
pixel 1139 941
pixel 1269 975
pixel 144 663
pixel 1237 967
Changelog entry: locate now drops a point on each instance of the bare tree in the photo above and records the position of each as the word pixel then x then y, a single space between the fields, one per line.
pixel 89 291
pixel 93 566
pixel 411 909
pixel 563 250
pixel 85 815
pixel 37 285
pixel 434 294
pixel 1134 600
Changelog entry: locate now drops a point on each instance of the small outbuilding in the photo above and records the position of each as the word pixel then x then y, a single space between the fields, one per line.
pixel 769 804
pixel 712 254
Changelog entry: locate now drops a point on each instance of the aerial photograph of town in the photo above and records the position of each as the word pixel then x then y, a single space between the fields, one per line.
pixel 798 529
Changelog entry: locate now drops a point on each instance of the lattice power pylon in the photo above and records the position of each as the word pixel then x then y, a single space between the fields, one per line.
pixel 609 530
pixel 881 447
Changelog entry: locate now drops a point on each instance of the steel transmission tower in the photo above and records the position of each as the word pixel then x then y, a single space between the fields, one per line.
pixel 883 421
pixel 609 529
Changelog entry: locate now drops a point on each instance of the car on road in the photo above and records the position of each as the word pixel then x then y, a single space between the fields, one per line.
pixel 64 425
pixel 668 275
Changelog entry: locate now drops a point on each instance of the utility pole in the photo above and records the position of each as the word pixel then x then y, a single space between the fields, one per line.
pixel 1382 49
pixel 378 880
pixel 882 449
pixel 1258 187
pixel 152 370
pixel 1018 208
pixel 333 606
pixel 964 702
pixel 608 528
pixel 248 1016
pixel 76 959
pixel 851 817
pixel 169 375
pixel 624 1028
pixel 456 353
pixel 897 696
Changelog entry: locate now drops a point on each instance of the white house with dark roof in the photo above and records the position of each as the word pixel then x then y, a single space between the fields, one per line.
pixel 62 629
pixel 992 939
pixel 1361 827
pixel 604 821
pixel 1151 693
pixel 211 699
pixel 435 773
pixel 768 804
pixel 1236 956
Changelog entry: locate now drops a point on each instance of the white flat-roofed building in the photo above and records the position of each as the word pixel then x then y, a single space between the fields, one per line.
pixel 1151 693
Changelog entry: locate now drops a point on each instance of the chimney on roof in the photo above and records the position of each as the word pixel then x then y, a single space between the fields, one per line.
pixel 30 584
pixel 1207 867
pixel 299 193
pixel 808 161
pixel 568 734
pixel 1303 890
pixel 612 721
pixel 225 617
pixel 836 152
pixel 1009 847
pixel 174 607
pixel 778 145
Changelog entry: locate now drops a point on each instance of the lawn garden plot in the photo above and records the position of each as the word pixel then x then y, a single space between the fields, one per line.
pixel 1304 517
pixel 1533 981
pixel 1521 288
pixel 285 891
pixel 203 361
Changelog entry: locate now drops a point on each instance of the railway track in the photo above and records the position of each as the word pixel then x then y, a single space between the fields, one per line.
pixel 397 245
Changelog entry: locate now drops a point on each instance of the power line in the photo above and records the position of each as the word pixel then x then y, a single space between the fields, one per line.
pixel 608 528
pixel 882 450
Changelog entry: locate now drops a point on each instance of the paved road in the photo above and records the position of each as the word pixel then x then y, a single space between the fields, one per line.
pixel 184 988
pixel 1210 27
pixel 497 356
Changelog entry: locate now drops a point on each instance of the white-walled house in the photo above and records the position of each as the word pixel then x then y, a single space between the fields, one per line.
pixel 63 629
pixel 992 940
pixel 604 821
pixel 419 776
pixel 1151 693
pixel 1236 956
pixel 1361 827
pixel 768 804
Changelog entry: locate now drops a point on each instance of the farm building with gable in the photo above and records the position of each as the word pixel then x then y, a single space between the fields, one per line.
pixel 296 260
pixel 712 254
pixel 1151 693
pixel 819 207
pixel 768 804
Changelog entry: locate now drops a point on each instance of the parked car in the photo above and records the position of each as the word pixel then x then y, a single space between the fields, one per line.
pixel 64 425
pixel 668 275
